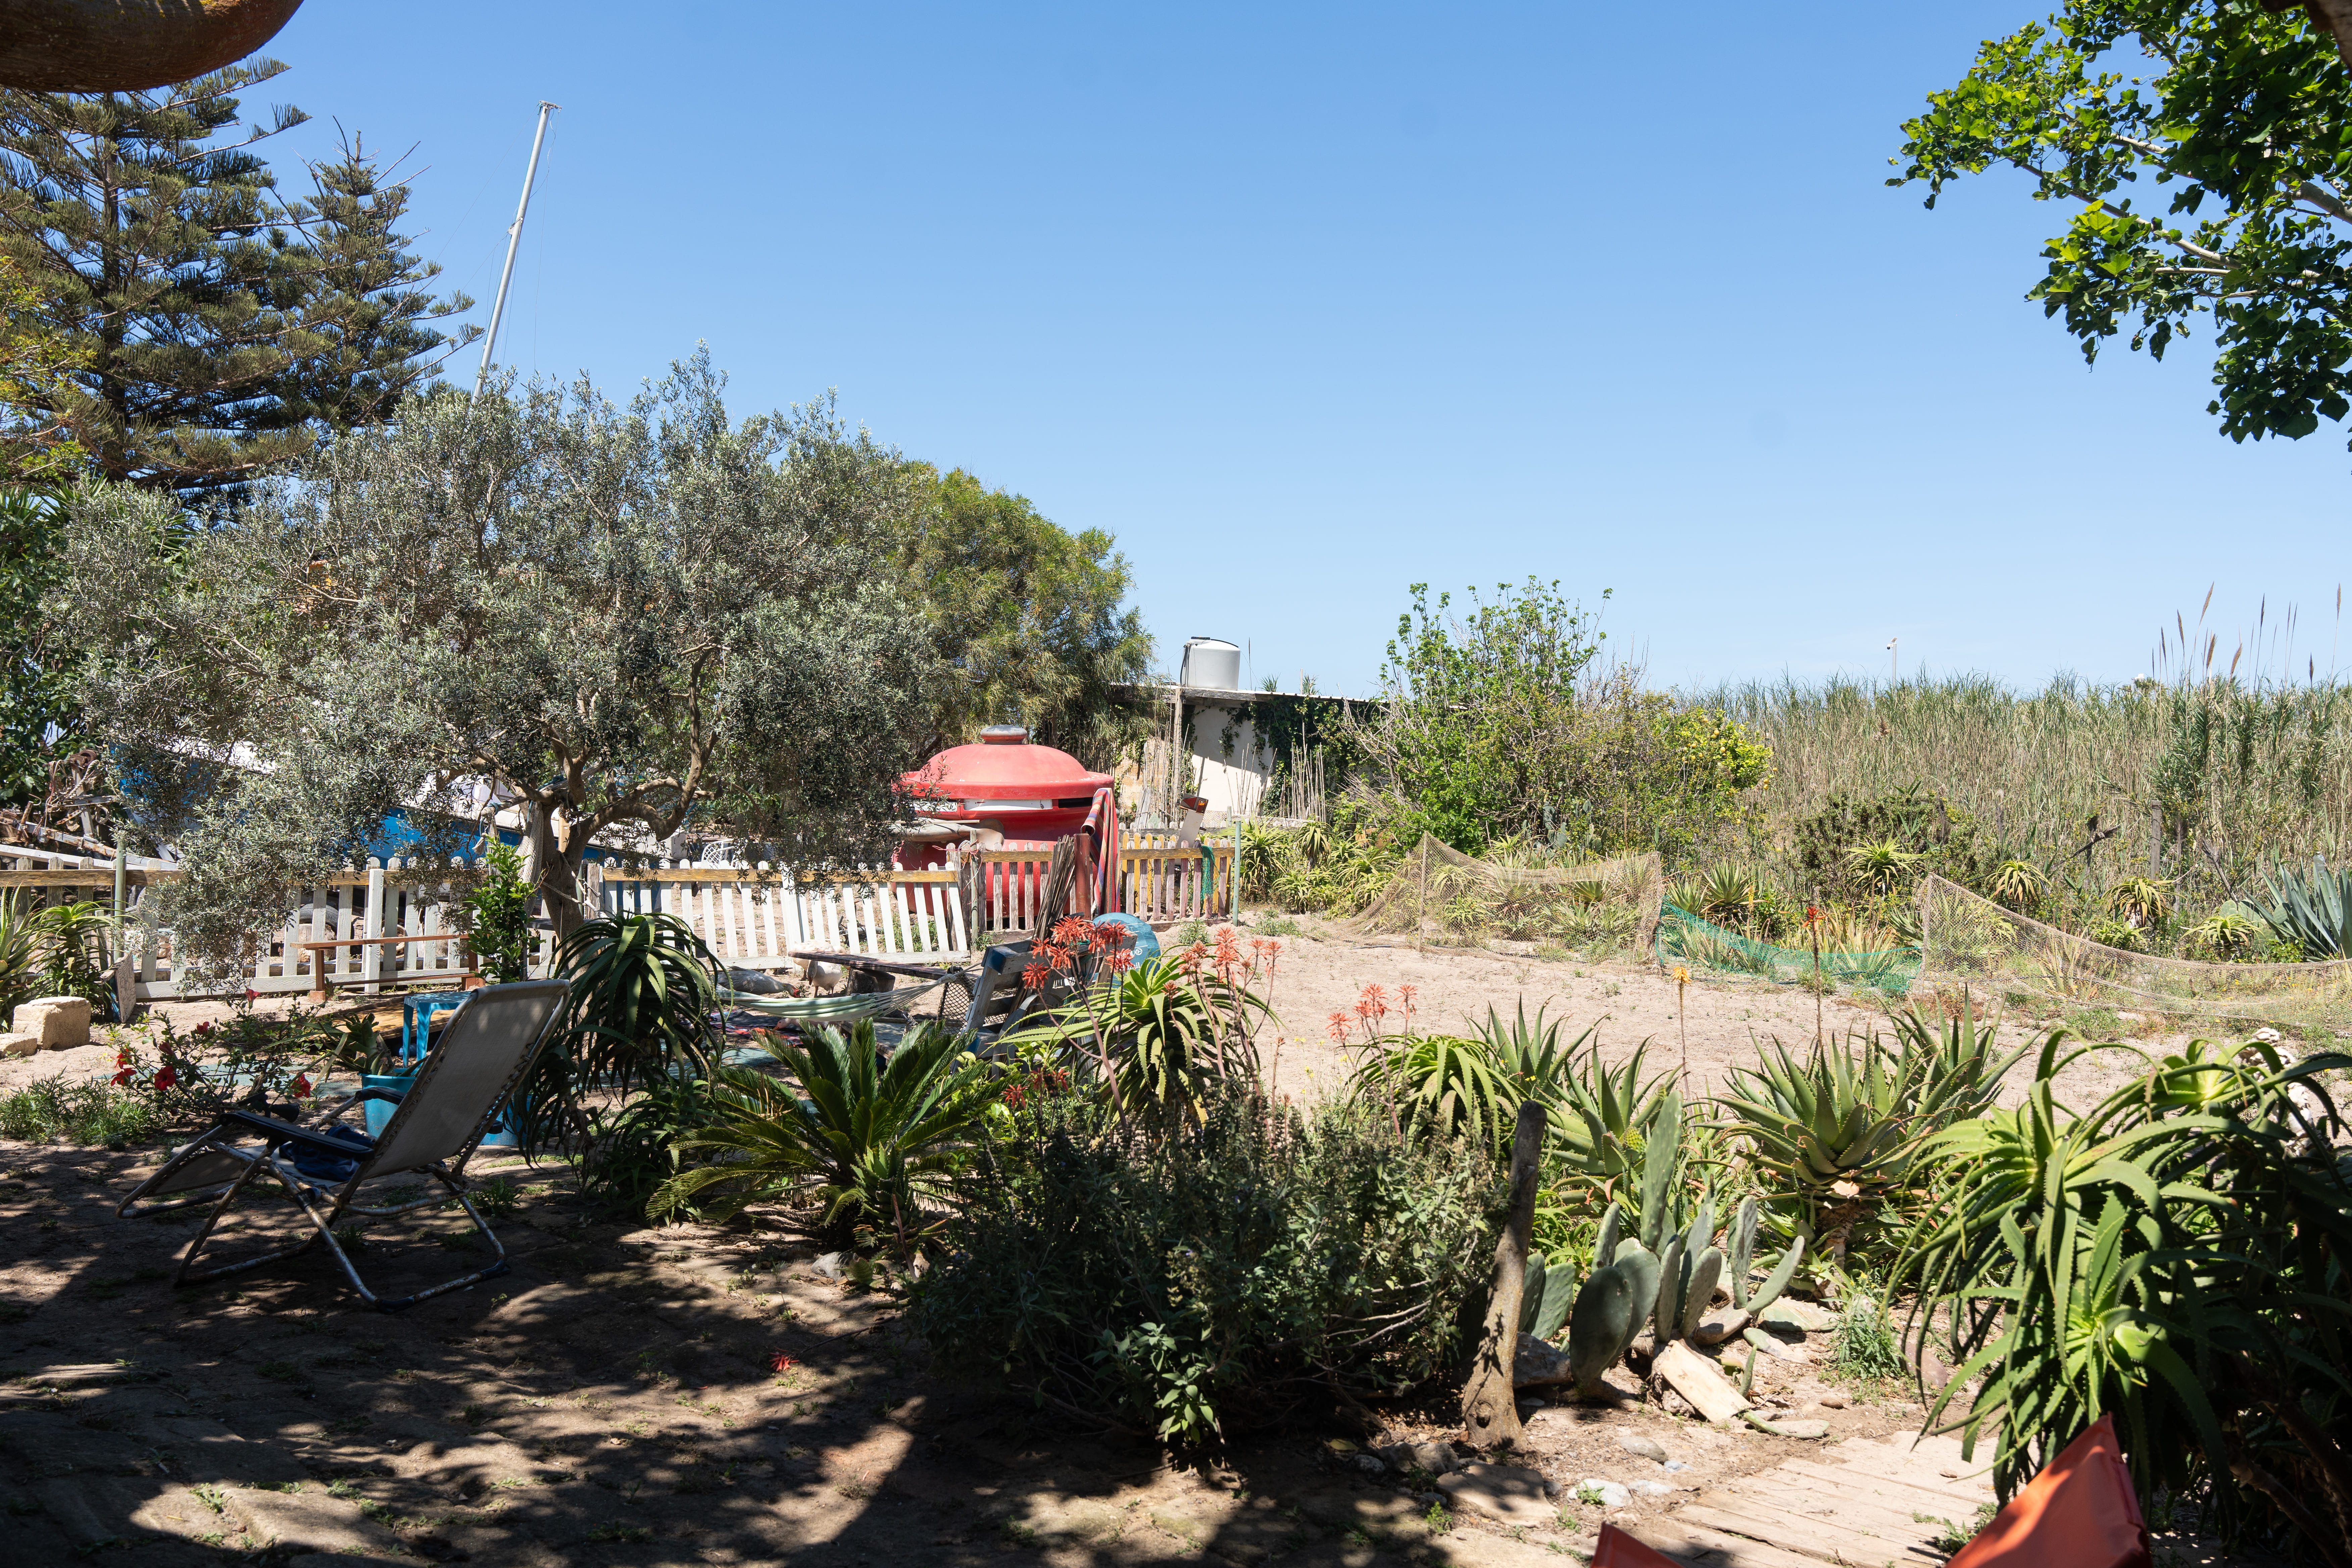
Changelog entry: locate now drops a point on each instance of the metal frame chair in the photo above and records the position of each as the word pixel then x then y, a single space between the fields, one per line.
pixel 486 1048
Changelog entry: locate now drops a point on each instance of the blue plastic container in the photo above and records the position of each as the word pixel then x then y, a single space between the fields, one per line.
pixel 379 1112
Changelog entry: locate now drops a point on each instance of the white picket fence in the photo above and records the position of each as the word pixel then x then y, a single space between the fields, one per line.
pixel 753 918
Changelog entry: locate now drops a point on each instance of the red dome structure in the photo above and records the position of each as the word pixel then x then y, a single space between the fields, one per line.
pixel 1032 796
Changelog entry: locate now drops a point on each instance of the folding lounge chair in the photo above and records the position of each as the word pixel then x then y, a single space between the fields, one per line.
pixel 486 1047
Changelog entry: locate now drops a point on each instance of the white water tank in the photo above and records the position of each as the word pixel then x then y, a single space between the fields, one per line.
pixel 1213 663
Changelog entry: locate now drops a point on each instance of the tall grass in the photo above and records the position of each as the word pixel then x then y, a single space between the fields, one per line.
pixel 2214 776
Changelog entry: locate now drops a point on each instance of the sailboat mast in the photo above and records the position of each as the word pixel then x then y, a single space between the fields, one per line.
pixel 514 242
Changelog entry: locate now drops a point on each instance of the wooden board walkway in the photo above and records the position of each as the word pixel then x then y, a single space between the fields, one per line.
pixel 1879 1504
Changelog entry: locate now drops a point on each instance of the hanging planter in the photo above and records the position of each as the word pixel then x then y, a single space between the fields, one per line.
pixel 127 46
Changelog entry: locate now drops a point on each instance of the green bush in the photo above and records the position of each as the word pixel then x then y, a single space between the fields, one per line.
pixel 93 1112
pixel 1240 1269
pixel 1865 850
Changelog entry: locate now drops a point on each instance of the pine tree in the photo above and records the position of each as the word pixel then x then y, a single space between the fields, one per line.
pixel 220 329
pixel 365 295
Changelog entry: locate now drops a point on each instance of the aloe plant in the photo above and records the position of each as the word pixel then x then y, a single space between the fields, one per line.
pixel 2175 1256
pixel 2311 910
pixel 1840 1127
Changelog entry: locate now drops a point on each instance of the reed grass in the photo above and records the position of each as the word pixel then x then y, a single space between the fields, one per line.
pixel 2207 780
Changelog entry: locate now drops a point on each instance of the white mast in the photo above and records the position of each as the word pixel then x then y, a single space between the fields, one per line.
pixel 514 242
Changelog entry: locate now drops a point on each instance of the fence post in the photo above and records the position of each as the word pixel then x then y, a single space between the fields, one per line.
pixel 376 924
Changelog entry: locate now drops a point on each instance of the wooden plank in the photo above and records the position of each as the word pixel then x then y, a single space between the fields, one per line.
pixel 1791 1533
pixel 1849 1505
pixel 1696 1544
pixel 1923 1495
pixel 1698 1379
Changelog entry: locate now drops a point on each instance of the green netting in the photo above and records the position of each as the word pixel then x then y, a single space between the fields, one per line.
pixel 1971 940
pixel 1684 938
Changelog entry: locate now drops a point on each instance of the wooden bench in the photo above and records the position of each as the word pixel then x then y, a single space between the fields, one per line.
pixel 321 987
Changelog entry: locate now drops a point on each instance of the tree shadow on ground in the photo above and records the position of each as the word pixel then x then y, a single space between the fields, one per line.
pixel 617 1398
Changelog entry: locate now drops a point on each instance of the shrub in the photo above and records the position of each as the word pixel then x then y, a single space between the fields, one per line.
pixel 94 1112
pixel 1223 1276
pixel 1858 850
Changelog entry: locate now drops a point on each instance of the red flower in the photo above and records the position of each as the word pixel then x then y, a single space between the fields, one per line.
pixel 122 1056
pixel 1373 1003
pixel 167 1078
pixel 1109 935
pixel 123 1078
pixel 1071 931
pixel 1013 1096
pixel 201 1030
pixel 251 994
pixel 302 1089
pixel 1035 976
pixel 1118 961
pixel 1337 1026
pixel 779 1362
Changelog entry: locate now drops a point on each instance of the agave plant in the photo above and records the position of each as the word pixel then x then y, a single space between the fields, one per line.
pixel 1881 868
pixel 862 1150
pixel 1839 1129
pixel 2140 900
pixel 1727 895
pixel 2176 1258
pixel 1599 1115
pixel 2310 910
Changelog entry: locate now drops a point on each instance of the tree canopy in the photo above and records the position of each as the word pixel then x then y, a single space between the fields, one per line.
pixel 2205 148
pixel 216 330
pixel 626 620
pixel 1028 616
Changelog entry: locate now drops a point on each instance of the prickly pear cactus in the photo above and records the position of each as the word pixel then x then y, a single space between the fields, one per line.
pixel 1705 1275
pixel 1603 1324
pixel 1644 1271
pixel 1559 1298
pixel 1604 1247
pixel 1777 1280
pixel 1666 1324
pixel 1743 1250
pixel 1531 1293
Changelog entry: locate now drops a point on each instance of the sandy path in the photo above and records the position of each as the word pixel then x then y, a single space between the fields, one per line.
pixel 1629 1004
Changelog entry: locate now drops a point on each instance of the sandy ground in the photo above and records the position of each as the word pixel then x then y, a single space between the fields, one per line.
pixel 614 1400
pixel 1719 1022
pixel 1627 1005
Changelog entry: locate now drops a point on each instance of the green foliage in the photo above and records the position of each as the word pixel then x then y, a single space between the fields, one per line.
pixel 499 911
pixel 53 950
pixel 2232 933
pixel 859 1150
pixel 1027 615
pixel 214 328
pixel 1170 1032
pixel 2175 1256
pixel 1837 1131
pixel 1859 850
pixel 92 1112
pixel 1220 1276
pixel 40 724
pixel 1498 724
pixel 643 989
pixel 2311 910
pixel 2234 114
pixel 1863 1345
pixel 1449 1085
pixel 622 617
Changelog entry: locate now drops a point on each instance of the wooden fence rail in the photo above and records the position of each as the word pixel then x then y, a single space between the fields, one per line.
pixel 752 917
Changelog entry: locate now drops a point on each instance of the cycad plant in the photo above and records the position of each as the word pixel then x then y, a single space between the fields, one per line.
pixel 2177 1258
pixel 861 1151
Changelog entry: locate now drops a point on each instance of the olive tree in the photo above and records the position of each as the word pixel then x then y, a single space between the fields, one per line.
pixel 624 619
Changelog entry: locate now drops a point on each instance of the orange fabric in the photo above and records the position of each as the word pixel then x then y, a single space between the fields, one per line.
pixel 2079 1512
pixel 1619 1550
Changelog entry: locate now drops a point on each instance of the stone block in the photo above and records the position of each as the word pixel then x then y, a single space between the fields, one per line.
pixel 19 1044
pixel 1509 1494
pixel 60 1022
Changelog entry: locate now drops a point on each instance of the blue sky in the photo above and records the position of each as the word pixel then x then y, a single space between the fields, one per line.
pixel 1308 304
